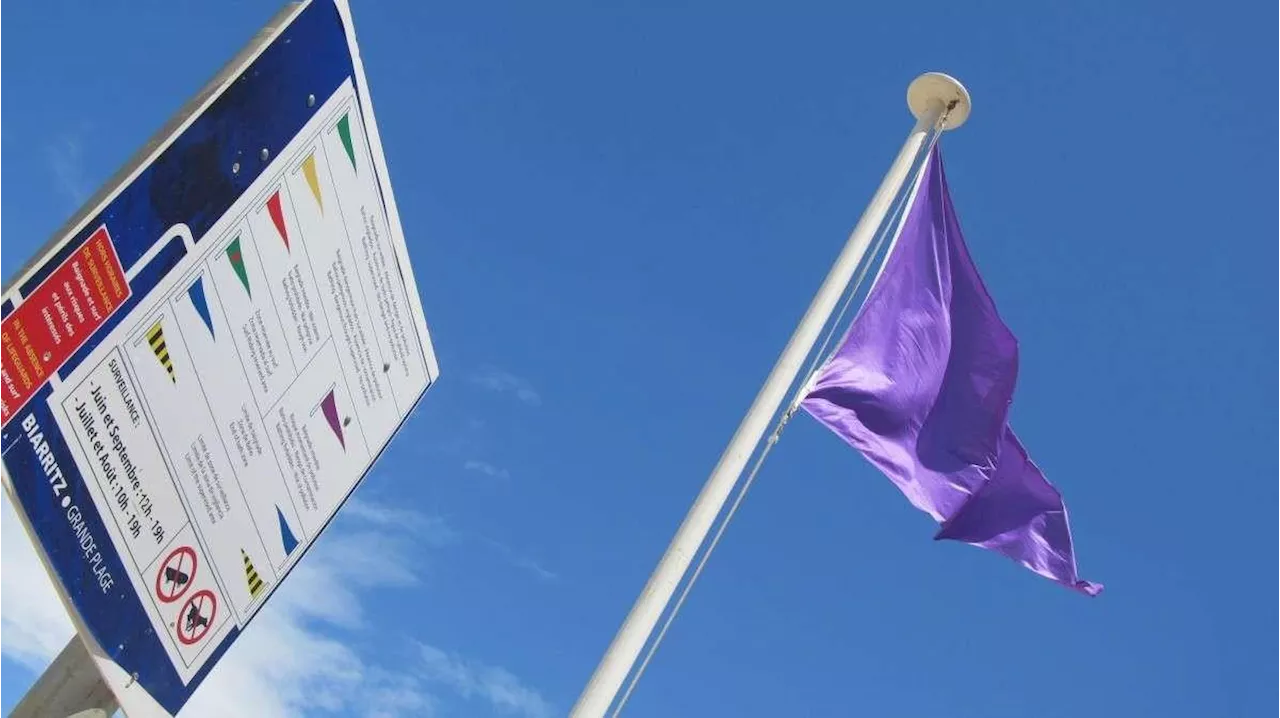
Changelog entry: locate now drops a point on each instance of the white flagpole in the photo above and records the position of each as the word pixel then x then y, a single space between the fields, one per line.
pixel 931 97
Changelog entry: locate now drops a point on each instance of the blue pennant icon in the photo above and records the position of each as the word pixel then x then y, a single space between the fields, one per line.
pixel 286 536
pixel 196 292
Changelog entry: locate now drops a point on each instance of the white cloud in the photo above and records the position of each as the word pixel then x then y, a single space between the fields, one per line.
pixel 469 679
pixel 35 626
pixel 292 659
pixel 518 560
pixel 504 382
pixel 293 656
pixel 282 665
pixel 435 530
pixel 296 657
pixel 390 697
pixel 484 467
pixel 66 161
pixel 536 569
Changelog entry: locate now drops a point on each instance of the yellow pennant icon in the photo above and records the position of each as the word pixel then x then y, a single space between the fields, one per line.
pixel 313 179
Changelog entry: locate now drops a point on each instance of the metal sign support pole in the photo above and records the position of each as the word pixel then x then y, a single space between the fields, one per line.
pixel 70 687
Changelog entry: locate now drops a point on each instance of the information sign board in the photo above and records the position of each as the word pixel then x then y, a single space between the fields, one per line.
pixel 203 366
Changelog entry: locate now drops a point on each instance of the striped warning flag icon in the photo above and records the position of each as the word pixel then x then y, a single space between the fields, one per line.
pixel 155 337
pixel 251 575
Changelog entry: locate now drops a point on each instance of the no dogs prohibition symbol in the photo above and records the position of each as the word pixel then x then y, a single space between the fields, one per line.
pixel 196 616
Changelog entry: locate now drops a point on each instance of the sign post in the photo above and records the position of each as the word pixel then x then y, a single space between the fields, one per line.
pixel 70 686
pixel 206 361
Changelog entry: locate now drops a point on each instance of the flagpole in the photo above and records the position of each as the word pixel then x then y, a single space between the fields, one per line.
pixel 931 97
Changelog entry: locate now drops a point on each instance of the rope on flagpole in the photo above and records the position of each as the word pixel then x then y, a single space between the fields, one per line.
pixel 697 571
pixel 821 356
pixel 777 429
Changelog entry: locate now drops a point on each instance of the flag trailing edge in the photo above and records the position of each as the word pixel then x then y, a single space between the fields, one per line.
pixel 922 383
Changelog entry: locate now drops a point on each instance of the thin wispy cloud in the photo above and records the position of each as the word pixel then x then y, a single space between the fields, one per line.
pixel 297 657
pixel 435 530
pixel 66 162
pixel 487 469
pixel 476 680
pixel 504 382
pixel 519 560
pixel 536 569
pixel 393 697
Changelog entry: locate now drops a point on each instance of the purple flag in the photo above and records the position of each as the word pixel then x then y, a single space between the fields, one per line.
pixel 922 384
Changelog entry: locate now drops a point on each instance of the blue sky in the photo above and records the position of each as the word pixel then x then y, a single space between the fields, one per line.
pixel 616 216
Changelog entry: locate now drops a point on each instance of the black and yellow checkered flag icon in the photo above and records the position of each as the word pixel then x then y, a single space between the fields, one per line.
pixel 155 337
pixel 251 575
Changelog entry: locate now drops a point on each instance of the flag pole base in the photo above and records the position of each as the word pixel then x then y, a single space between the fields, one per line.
pixel 940 87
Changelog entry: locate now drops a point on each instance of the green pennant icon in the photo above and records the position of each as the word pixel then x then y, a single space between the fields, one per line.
pixel 344 133
pixel 237 263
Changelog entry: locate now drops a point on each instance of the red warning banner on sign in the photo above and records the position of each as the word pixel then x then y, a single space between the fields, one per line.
pixel 58 318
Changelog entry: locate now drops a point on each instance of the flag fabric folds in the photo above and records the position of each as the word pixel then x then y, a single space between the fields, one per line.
pixel 922 384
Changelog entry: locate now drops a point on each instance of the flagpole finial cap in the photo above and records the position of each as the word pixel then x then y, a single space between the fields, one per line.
pixel 934 87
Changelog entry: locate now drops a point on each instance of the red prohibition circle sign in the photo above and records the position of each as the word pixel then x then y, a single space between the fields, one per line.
pixel 196 616
pixel 175 574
